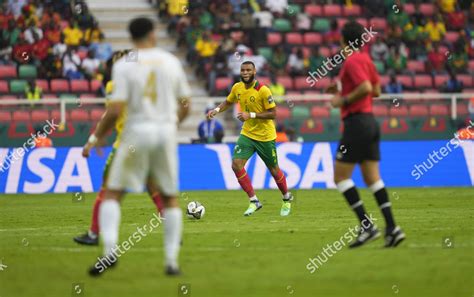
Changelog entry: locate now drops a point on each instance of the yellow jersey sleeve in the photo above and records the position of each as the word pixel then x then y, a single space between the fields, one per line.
pixel 267 98
pixel 232 98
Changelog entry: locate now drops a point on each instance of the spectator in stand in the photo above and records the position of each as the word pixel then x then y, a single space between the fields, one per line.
pixel 206 20
pixel 447 6
pixel 394 35
pixel 316 60
pixel 398 16
pixel 82 16
pixel 396 61
pixel 456 19
pixel 296 63
pixel 436 60
pixel 265 18
pixel 412 33
pixel 192 33
pixel 393 86
pixel 16 6
pixel 90 65
pixel 32 92
pixel 206 48
pixel 277 7
pixel 223 17
pixel 102 50
pixel 419 17
pixel 11 36
pixel 458 60
pixel 41 48
pixel 31 31
pixel 73 35
pixel 452 85
pixel 27 17
pixel 5 17
pixel 22 51
pixel 303 22
pixel 374 8
pixel 59 49
pixel 281 134
pixel 210 130
pixel 277 89
pixel 435 29
pixel 379 50
pixel 52 33
pixel 333 37
pixel 50 17
pixel 279 60
pixel 92 34
pixel 71 65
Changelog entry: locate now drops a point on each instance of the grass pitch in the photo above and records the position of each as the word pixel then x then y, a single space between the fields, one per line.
pixel 226 254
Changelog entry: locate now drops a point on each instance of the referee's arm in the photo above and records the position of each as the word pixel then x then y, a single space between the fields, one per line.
pixel 363 89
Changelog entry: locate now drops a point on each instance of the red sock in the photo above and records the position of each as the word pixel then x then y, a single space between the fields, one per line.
pixel 245 182
pixel 280 180
pixel 158 202
pixel 95 212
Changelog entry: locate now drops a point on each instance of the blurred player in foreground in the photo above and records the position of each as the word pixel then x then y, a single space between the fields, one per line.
pixel 361 137
pixel 258 134
pixel 91 237
pixel 152 86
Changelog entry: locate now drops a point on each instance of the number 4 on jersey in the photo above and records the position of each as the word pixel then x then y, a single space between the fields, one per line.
pixel 150 92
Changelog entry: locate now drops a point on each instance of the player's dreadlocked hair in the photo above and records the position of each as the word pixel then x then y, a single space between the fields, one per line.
pixel 352 31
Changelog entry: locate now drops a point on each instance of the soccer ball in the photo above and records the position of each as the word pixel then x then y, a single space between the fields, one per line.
pixel 195 210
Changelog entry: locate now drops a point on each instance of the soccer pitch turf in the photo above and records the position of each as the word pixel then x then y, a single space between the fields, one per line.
pixel 226 254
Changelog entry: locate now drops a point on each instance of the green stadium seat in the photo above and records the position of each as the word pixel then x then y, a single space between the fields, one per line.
pixel 300 112
pixel 18 85
pixel 380 66
pixel 282 25
pixel 293 9
pixel 266 52
pixel 27 71
pixel 321 25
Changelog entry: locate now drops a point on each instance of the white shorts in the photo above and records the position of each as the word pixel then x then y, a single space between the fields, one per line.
pixel 146 151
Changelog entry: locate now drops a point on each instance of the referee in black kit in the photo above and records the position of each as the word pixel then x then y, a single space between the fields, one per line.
pixel 361 137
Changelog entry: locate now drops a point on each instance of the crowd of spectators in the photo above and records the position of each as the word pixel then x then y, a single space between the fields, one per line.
pixel 61 38
pixel 220 34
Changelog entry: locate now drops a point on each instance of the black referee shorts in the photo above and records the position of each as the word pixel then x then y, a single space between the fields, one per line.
pixel 360 140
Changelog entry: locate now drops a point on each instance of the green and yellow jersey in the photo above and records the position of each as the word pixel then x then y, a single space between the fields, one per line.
pixel 256 99
pixel 120 121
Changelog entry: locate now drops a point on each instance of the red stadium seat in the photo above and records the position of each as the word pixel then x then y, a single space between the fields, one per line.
pixel 332 10
pixel 418 110
pixel 96 114
pixel 306 52
pixel 5 116
pixel 264 81
pixel 222 83
pixel 274 38
pixel 462 109
pixel 3 86
pixel 470 64
pixel 427 9
pixel 409 8
pixel 294 38
pixel 362 21
pixel 95 85
pixel 323 83
pixel 423 81
pixel 56 115
pixel 341 22
pixel 439 110
pixel 384 79
pixel 313 10
pixel 325 51
pixel 79 115
pixel 312 38
pixel 79 86
pixel 353 10
pixel 467 80
pixel 43 84
pixel 301 83
pixel 451 36
pixel 59 86
pixel 283 113
pixel 21 116
pixel 416 66
pixel 400 111
pixel 286 81
pixel 8 72
pixel 440 79
pixel 405 80
pixel 379 24
pixel 87 96
pixel 40 115
pixel 380 110
pixel 9 97
pixel 319 112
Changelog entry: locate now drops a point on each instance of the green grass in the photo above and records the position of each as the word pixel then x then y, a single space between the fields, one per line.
pixel 226 254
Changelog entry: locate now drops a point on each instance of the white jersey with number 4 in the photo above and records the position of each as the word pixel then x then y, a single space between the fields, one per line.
pixel 151 82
